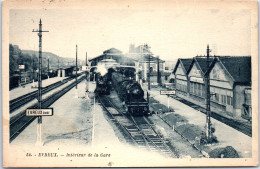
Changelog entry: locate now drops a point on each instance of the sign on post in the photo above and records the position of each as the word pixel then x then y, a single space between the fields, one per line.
pixel 167 92
pixel 21 66
pixel 39 112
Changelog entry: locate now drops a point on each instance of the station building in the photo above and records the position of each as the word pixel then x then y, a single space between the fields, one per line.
pixel 65 72
pixel 143 57
pixel 181 76
pixel 230 83
pixel 113 54
pixel 196 78
pixel 137 58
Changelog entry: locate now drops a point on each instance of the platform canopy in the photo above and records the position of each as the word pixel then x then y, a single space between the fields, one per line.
pixel 114 54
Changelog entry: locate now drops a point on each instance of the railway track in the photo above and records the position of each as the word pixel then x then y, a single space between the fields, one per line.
pixel 19 123
pixel 246 129
pixel 137 130
pixel 22 100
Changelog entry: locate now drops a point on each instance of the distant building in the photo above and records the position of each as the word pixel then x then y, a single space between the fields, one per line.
pixel 143 56
pixel 138 58
pixel 115 55
pixel 230 83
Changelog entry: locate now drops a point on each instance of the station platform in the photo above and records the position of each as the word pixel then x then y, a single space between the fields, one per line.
pixel 30 87
pixel 70 131
pixel 226 135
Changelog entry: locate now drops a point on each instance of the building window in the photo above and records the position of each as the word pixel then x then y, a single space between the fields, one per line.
pixel 217 97
pixel 203 91
pixel 200 89
pixel 166 77
pixel 166 68
pixel 151 69
pixel 223 99
pixel 229 100
pixel 197 89
pixel 191 87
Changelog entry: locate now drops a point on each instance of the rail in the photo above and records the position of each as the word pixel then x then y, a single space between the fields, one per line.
pixel 150 144
pixel 18 124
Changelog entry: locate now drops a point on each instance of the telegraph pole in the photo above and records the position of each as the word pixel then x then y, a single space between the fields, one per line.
pixel 40 69
pixel 86 58
pixel 207 85
pixel 33 69
pixel 158 72
pixel 76 66
pixel 87 73
pixel 149 71
pixel 48 67
pixel 40 31
pixel 149 85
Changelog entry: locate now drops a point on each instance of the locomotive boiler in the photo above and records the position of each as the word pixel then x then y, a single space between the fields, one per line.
pixel 131 93
pixel 103 84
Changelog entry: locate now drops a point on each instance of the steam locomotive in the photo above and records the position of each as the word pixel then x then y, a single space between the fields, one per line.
pixel 128 90
pixel 131 93
pixel 103 84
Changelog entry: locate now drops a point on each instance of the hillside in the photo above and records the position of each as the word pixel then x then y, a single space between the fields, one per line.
pixel 54 60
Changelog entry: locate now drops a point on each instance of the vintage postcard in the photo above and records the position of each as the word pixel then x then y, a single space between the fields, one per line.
pixel 132 83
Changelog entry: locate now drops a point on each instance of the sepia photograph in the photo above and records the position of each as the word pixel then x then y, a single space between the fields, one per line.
pixel 136 83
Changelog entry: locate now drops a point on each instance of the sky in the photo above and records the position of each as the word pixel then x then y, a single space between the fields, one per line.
pixel 171 34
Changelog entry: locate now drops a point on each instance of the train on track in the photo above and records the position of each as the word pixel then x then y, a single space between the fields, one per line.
pixel 128 90
pixel 103 84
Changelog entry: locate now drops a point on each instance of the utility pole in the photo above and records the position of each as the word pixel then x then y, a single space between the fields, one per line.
pixel 40 80
pixel 40 69
pixel 58 63
pixel 86 58
pixel 76 66
pixel 158 72
pixel 149 71
pixel 33 69
pixel 48 67
pixel 207 85
pixel 87 73
pixel 33 65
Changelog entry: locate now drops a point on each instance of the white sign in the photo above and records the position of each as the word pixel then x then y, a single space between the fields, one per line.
pixel 84 68
pixel 21 66
pixel 164 92
pixel 39 112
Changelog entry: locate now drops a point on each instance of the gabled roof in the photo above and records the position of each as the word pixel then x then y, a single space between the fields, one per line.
pixel 112 51
pixel 202 62
pixel 239 67
pixel 109 52
pixel 185 62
